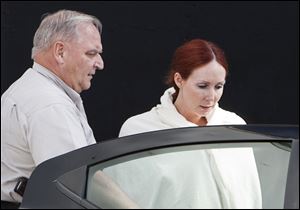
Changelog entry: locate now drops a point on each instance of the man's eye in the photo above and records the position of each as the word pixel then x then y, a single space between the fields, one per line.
pixel 91 54
pixel 219 86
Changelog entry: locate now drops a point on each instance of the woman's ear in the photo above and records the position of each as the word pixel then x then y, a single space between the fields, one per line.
pixel 178 79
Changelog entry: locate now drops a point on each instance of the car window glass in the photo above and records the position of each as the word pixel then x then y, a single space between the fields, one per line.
pixel 193 176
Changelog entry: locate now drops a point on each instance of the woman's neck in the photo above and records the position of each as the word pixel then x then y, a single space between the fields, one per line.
pixel 190 116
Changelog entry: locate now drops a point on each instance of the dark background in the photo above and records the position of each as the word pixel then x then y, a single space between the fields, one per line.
pixel 260 39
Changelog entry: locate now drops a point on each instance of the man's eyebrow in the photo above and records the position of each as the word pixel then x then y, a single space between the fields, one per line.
pixel 94 51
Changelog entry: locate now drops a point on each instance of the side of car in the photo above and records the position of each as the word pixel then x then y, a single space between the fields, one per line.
pixel 68 181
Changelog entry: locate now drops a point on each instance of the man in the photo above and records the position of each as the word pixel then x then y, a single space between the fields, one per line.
pixel 42 115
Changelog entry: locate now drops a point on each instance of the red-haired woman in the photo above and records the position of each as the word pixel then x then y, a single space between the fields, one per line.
pixel 211 178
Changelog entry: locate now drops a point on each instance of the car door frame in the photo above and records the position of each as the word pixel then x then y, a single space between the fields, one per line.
pixel 48 187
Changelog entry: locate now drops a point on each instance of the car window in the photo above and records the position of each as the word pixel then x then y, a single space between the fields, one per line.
pixel 193 176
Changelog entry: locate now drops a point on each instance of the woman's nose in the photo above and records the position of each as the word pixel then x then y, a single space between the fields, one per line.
pixel 211 93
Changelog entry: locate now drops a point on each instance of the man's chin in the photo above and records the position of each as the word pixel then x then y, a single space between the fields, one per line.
pixel 86 87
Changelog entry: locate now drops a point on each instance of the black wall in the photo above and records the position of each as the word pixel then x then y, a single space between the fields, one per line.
pixel 261 40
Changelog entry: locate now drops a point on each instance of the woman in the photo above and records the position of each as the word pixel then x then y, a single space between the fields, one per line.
pixel 197 79
pixel 212 178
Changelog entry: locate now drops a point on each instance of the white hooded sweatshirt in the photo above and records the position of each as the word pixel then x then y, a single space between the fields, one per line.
pixel 211 178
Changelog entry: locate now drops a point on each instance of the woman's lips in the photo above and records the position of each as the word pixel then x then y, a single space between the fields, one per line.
pixel 206 108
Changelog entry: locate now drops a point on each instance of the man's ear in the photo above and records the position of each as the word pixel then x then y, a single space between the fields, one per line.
pixel 58 51
pixel 178 79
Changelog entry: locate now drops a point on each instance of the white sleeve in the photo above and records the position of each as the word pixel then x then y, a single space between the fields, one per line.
pixel 223 117
pixel 53 131
pixel 139 124
pixel 129 127
pixel 238 120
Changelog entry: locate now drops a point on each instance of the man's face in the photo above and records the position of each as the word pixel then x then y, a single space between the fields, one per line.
pixel 82 58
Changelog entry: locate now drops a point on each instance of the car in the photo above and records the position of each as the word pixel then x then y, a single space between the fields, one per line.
pixel 68 181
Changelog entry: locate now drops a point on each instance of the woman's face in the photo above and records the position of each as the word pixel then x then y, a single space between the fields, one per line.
pixel 201 91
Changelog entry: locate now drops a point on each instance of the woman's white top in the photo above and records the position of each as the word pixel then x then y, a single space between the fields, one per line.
pixel 211 178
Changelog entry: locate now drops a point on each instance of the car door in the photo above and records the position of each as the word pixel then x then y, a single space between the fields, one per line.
pixel 196 167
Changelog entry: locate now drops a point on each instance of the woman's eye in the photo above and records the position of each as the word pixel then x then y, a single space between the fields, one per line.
pixel 202 86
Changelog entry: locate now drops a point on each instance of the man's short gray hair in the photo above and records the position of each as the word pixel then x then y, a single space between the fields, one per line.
pixel 60 25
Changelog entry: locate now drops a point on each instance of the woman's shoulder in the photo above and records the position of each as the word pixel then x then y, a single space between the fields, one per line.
pixel 229 117
pixel 140 123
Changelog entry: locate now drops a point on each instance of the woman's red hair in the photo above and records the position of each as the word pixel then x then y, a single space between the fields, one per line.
pixel 191 55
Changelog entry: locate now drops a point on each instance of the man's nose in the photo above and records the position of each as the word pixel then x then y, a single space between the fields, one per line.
pixel 99 63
